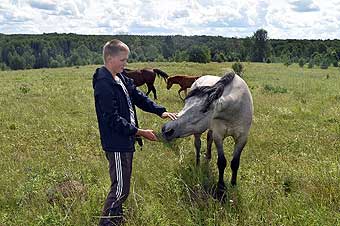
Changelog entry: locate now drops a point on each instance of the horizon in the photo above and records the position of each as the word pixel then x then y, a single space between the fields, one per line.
pixel 160 35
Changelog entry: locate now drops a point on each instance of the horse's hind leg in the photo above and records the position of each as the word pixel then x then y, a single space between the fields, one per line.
pixel 197 147
pixel 152 88
pixel 209 144
pixel 149 90
pixel 235 162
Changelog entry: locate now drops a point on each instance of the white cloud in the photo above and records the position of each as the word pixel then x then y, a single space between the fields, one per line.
pixel 304 6
pixel 285 21
pixel 43 4
pixel 68 9
pixel 234 18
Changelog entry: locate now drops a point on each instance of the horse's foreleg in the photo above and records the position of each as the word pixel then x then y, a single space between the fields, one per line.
pixel 197 147
pixel 179 93
pixel 235 162
pixel 154 92
pixel 221 161
pixel 209 143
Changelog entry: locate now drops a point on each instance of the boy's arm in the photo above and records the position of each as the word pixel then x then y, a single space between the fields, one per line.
pixel 146 104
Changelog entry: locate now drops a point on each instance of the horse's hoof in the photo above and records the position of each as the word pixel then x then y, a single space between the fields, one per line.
pixel 220 193
pixel 221 187
pixel 233 182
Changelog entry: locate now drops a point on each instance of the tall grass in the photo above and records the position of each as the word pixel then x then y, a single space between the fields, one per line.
pixel 289 172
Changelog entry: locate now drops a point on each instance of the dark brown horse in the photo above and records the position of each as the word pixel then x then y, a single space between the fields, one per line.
pixel 146 76
pixel 185 82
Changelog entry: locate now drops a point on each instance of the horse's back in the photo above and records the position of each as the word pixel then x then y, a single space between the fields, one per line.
pixel 206 80
pixel 233 111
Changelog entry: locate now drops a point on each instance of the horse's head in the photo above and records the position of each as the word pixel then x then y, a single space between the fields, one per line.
pixel 191 119
pixel 198 108
pixel 169 83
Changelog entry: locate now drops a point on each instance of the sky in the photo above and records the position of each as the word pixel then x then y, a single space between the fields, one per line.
pixel 282 19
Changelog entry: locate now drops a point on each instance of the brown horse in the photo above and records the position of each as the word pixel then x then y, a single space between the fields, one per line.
pixel 185 82
pixel 146 76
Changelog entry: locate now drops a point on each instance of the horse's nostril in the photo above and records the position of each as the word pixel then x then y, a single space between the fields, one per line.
pixel 169 133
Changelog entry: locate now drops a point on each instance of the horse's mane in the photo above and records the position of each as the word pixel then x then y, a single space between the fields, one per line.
pixel 214 92
pixel 161 73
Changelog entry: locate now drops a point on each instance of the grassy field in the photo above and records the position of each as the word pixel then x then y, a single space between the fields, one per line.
pixel 289 172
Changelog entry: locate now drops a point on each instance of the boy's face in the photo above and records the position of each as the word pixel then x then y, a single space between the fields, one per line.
pixel 119 61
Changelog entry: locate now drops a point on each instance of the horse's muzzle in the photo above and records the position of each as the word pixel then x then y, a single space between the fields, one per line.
pixel 167 134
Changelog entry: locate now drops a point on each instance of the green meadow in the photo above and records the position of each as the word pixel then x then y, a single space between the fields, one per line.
pixel 289 172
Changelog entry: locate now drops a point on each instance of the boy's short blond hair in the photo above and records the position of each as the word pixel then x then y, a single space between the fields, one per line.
pixel 113 48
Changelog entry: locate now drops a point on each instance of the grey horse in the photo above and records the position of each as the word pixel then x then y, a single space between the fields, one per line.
pixel 224 107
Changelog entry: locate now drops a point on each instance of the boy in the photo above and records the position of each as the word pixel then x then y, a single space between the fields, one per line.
pixel 115 99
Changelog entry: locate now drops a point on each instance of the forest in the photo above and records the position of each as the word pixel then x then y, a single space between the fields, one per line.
pixel 52 50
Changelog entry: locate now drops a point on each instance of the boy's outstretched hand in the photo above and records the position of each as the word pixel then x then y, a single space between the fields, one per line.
pixel 147 133
pixel 172 116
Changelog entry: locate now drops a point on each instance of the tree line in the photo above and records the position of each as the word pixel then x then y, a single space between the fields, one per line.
pixel 59 50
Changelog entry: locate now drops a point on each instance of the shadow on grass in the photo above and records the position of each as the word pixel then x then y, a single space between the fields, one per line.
pixel 200 187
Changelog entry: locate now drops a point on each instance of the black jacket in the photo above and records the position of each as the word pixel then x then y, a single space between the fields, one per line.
pixel 117 134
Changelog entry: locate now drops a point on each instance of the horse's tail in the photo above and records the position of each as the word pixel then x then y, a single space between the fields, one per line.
pixel 161 73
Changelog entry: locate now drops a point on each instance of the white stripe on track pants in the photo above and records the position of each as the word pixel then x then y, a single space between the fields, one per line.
pixel 120 168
